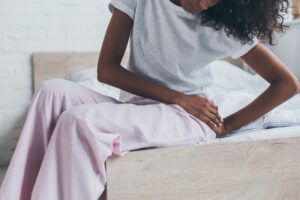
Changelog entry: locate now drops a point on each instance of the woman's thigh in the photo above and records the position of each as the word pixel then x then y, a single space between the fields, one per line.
pixel 142 126
pixel 70 92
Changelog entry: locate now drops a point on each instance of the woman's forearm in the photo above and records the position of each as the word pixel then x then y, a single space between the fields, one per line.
pixel 122 78
pixel 276 94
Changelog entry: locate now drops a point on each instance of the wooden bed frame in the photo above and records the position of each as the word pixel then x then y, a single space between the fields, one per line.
pixel 255 170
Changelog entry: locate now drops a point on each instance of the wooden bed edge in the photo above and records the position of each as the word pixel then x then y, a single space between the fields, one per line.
pixel 263 169
pixel 49 65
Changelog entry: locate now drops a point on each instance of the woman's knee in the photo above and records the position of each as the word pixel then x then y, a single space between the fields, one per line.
pixel 70 115
pixel 73 117
pixel 55 86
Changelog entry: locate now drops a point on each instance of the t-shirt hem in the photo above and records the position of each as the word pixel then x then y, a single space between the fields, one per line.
pixel 244 50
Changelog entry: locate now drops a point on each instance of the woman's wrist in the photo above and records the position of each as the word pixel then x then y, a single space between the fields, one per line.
pixel 229 124
pixel 178 98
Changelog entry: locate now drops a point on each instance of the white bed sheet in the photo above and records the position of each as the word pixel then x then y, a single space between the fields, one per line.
pixel 263 134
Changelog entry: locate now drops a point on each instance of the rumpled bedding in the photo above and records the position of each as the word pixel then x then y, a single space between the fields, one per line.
pixel 88 78
pixel 231 88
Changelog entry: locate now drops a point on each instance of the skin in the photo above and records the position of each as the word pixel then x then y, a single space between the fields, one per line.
pixel 195 5
pixel 283 84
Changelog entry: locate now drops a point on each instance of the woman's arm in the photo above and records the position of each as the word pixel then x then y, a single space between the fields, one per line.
pixel 111 72
pixel 283 85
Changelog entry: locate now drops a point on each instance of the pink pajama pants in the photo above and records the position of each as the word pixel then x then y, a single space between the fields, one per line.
pixel 70 131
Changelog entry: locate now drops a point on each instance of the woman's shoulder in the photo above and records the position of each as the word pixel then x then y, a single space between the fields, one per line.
pixel 126 6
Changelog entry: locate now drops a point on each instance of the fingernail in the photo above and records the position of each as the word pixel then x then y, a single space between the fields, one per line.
pixel 220 124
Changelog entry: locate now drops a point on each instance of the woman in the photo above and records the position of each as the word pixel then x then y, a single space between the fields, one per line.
pixel 70 131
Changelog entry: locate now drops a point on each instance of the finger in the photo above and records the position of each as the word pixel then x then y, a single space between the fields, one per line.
pixel 208 121
pixel 212 107
pixel 216 113
pixel 213 118
pixel 212 115
pixel 215 109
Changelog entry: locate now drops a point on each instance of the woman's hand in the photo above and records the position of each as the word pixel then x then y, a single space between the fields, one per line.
pixel 197 5
pixel 203 109
pixel 223 130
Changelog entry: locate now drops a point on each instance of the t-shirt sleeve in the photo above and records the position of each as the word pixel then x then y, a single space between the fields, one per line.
pixel 126 6
pixel 239 49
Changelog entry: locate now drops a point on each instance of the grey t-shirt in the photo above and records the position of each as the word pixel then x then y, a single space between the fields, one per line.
pixel 170 47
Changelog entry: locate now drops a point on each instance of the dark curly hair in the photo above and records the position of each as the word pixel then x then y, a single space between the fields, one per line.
pixel 246 19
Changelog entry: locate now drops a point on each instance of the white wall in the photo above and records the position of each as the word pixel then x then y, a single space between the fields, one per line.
pixel 287 48
pixel 28 26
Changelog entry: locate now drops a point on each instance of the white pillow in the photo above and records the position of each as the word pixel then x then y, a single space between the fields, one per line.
pixel 88 78
pixel 83 74
pixel 231 87
pixel 227 75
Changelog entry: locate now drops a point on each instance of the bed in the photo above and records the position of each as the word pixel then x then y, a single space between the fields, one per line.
pixel 262 164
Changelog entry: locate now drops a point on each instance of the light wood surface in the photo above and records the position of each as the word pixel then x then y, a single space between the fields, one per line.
pixel 260 170
pixel 296 9
pixel 59 65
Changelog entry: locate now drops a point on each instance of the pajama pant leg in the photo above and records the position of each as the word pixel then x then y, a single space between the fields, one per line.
pixel 53 97
pixel 85 136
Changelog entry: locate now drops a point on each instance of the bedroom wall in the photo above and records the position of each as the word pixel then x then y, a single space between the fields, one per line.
pixel 28 26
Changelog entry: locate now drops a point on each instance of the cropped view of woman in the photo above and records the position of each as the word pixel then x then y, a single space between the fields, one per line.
pixel 71 131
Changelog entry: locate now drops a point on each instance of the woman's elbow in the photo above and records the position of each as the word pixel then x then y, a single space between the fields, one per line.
pixel 101 74
pixel 289 85
pixel 293 86
pixel 298 87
